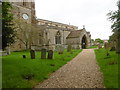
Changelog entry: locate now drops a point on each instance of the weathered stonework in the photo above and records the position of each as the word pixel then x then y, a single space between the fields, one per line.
pixel 20 8
pixel 50 34
pixel 75 38
pixel 52 28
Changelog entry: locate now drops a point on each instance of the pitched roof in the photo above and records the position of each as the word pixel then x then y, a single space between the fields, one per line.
pixel 74 34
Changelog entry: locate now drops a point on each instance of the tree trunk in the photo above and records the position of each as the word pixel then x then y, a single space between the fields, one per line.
pixel 26 46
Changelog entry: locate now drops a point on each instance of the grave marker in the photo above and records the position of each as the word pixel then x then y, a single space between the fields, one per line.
pixel 24 56
pixel 69 48
pixel 60 49
pixel 43 53
pixel 50 54
pixel 32 54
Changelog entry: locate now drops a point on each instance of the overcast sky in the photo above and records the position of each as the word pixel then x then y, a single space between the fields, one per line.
pixel 91 13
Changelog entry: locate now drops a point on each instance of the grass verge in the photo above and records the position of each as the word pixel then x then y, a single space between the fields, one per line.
pixel 26 73
pixel 93 47
pixel 109 67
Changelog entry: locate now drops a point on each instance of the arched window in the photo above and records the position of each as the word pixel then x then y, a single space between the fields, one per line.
pixel 58 38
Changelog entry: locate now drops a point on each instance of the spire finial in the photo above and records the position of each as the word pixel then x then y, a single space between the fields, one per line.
pixel 83 26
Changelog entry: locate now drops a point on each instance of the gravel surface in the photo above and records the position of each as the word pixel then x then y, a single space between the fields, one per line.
pixel 81 72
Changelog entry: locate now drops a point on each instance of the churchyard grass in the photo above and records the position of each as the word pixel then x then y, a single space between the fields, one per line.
pixel 26 73
pixel 93 47
pixel 109 67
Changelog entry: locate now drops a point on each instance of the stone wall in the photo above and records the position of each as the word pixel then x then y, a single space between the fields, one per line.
pixel 47 30
pixel 88 36
pixel 20 8
pixel 51 30
pixel 49 36
pixel 77 41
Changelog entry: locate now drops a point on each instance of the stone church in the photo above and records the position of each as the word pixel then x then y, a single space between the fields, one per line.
pixel 50 34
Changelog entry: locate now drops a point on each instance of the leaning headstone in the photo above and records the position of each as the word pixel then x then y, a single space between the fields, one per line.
pixel 69 48
pixel 32 54
pixel 43 53
pixel 50 54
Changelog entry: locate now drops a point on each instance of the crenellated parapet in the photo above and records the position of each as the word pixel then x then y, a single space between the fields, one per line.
pixel 56 25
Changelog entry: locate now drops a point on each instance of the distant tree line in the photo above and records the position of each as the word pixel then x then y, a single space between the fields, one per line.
pixel 97 41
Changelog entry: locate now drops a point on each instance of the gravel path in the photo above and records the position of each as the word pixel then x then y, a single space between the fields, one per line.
pixel 81 72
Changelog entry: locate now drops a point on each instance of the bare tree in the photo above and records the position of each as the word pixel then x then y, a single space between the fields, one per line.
pixel 26 32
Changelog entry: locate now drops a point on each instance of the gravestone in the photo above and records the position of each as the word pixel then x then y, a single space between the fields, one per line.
pixel 60 49
pixel 43 53
pixel 50 54
pixel 24 56
pixel 69 48
pixel 32 54
pixel 105 45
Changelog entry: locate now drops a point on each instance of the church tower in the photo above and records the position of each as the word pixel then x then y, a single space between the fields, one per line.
pixel 24 9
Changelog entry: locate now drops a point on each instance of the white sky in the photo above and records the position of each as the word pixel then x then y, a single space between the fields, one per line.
pixel 91 13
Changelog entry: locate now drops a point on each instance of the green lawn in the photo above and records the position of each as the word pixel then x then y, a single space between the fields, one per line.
pixel 26 73
pixel 109 67
pixel 93 47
